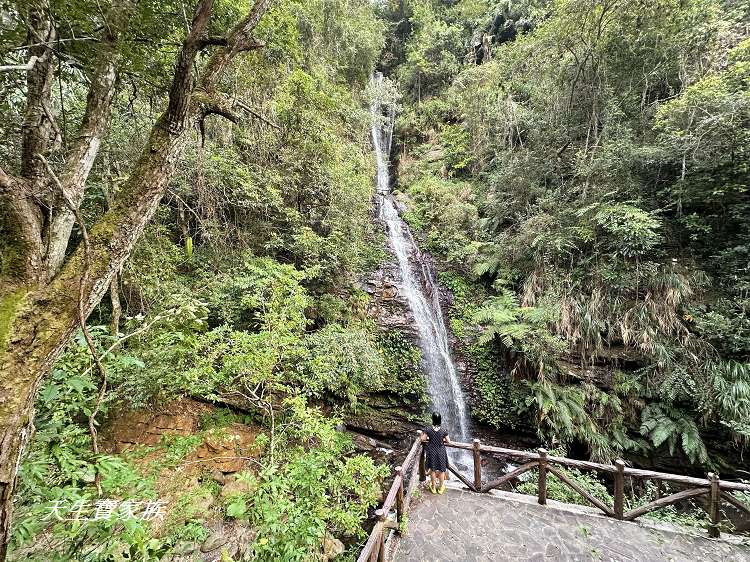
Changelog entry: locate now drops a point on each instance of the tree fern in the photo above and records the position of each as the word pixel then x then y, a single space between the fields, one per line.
pixel 663 424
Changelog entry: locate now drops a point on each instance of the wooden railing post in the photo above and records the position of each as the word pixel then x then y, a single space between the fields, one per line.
pixel 477 466
pixel 381 543
pixel 422 472
pixel 713 507
pixel 619 488
pixel 542 476
pixel 400 497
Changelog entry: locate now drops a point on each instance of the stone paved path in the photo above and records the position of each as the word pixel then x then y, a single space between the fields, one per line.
pixel 463 526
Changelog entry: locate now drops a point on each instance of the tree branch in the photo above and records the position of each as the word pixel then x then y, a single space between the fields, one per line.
pixel 55 42
pixel 180 90
pixel 28 66
pixel 21 217
pixel 37 125
pixel 214 103
pixel 81 157
pixel 122 340
pixel 5 180
pixel 221 104
pixel 257 115
pixel 239 40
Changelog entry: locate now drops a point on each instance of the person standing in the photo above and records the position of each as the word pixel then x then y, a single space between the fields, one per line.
pixel 436 454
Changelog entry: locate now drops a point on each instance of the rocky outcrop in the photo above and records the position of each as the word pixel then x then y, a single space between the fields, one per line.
pixel 386 306
pixel 392 423
pixel 228 540
pixel 225 451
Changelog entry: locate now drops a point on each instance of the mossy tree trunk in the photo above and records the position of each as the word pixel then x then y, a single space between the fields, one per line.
pixel 39 309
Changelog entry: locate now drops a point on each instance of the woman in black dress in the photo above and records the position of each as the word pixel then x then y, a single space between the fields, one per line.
pixel 436 455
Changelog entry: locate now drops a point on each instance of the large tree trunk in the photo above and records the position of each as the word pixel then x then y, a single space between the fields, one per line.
pixel 40 321
pixel 38 318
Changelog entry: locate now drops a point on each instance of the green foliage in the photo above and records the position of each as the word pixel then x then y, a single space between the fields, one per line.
pixel 519 328
pixel 159 347
pixel 607 220
pixel 343 363
pixel 670 426
pixel 404 376
pixel 634 231
pixel 591 173
pixel 61 467
pixel 500 400
pixel 319 489
pixel 262 294
pixel 726 325
pixel 343 36
pixel 433 54
pixel 445 210
pixel 312 487
pixel 456 143
pixel 728 394
pixel 221 418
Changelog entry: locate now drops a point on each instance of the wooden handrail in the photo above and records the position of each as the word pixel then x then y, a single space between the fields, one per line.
pixel 413 467
pixel 461 477
pixel 663 502
pixel 588 465
pixel 374 548
pixel 582 491
pixel 512 475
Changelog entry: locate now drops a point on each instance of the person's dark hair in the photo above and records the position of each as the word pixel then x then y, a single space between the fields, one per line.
pixel 436 419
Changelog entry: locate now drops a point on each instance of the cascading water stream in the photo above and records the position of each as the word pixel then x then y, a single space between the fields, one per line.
pixel 419 287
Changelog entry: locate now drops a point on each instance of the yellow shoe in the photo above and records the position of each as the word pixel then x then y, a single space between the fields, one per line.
pixel 432 489
pixel 442 489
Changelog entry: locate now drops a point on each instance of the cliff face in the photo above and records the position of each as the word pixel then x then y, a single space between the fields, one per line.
pixel 388 417
pixel 387 306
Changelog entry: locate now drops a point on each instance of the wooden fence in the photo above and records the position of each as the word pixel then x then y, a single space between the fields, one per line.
pixel 412 471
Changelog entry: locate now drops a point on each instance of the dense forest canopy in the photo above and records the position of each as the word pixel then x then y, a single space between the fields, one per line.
pixel 586 164
pixel 186 222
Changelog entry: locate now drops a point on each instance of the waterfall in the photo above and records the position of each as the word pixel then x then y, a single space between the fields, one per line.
pixel 418 285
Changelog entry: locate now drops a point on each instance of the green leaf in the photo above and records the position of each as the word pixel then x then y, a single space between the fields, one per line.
pixel 237 508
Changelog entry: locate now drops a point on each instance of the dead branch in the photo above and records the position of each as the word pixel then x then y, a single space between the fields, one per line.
pixel 123 339
pixel 257 115
pixel 25 67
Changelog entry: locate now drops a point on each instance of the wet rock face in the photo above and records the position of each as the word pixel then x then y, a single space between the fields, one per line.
pixel 387 306
pixel 385 417
pixel 383 420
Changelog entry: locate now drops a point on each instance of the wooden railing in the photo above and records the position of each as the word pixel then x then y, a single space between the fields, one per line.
pixel 407 476
pixel 399 497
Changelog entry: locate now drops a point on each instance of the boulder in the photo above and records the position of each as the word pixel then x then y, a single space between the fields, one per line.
pixel 213 542
pixel 218 476
pixel 332 547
